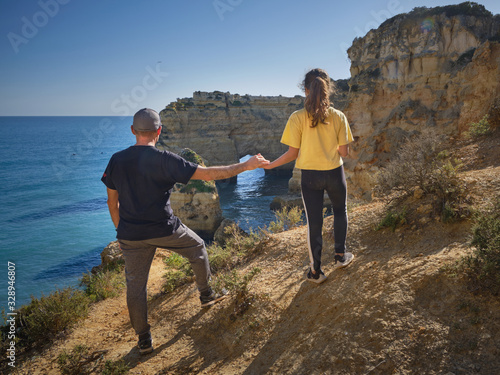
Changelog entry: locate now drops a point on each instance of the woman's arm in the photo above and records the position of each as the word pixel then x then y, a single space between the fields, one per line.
pixel 343 150
pixel 287 157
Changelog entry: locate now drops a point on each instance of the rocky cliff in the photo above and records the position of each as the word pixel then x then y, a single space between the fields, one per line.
pixel 197 203
pixel 433 68
pixel 223 127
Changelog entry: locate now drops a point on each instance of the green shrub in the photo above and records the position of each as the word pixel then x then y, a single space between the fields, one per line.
pixel 174 279
pixel 413 164
pixel 74 362
pixel 220 257
pixel 478 129
pixel 106 283
pixel 240 243
pixel 179 272
pixel 449 189
pixel 115 368
pixel 195 185
pixel 198 186
pixel 191 156
pixel 44 318
pixel 235 282
pixel 80 361
pixel 177 261
pixel 392 220
pixel 286 218
pixel 237 247
pixel 483 266
pixel 419 164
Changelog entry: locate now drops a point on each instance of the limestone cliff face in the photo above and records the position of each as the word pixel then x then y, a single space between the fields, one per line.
pixel 432 68
pixel 200 211
pixel 223 127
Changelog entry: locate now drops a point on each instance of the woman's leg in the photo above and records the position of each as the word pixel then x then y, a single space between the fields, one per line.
pixel 312 197
pixel 337 191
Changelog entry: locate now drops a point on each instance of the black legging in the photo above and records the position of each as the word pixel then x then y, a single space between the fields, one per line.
pixel 314 184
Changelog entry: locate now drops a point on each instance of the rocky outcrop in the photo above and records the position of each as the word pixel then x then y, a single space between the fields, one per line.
pixel 110 256
pixel 197 203
pixel 223 127
pixel 200 211
pixel 433 68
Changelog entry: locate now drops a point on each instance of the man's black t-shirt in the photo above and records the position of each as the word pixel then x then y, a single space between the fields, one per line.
pixel 144 177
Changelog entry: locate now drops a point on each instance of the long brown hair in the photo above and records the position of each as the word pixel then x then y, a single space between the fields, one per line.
pixel 317 102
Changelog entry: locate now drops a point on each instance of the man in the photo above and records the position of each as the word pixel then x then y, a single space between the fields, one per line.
pixel 139 182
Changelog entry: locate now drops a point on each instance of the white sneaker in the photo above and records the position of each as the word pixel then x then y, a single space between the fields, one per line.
pixel 343 261
pixel 316 278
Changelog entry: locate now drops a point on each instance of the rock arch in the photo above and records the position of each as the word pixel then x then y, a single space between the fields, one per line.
pixel 222 127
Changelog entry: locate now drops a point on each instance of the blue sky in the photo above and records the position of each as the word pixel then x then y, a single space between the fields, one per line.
pixel 113 57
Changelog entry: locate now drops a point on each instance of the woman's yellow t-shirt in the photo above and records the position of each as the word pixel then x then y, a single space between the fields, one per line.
pixel 317 146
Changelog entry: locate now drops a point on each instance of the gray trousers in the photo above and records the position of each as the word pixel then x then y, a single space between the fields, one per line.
pixel 138 256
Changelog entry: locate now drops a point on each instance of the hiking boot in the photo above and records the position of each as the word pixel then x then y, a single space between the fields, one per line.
pixel 343 260
pixel 209 297
pixel 316 278
pixel 145 343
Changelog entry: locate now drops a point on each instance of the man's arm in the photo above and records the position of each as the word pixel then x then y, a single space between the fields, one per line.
pixel 113 206
pixel 221 173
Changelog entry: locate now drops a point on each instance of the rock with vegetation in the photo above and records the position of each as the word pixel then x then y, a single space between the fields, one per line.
pixel 433 68
pixel 197 203
pixel 111 254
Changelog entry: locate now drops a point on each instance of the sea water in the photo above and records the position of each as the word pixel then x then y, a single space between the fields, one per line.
pixel 54 217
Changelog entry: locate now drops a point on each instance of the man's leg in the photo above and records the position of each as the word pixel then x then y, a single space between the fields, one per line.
pixel 187 243
pixel 138 257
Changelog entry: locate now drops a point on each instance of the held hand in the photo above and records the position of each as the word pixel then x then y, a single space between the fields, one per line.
pixel 257 161
pixel 268 166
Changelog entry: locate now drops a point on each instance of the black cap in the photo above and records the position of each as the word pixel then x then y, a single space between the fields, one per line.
pixel 146 120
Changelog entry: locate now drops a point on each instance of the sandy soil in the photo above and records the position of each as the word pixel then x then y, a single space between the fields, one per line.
pixel 392 311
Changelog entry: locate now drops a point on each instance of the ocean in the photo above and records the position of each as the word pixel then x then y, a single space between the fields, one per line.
pixel 54 216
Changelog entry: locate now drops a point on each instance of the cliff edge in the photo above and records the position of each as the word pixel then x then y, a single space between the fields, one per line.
pixel 393 310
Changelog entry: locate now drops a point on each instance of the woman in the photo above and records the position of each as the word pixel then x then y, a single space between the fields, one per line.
pixel 318 136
